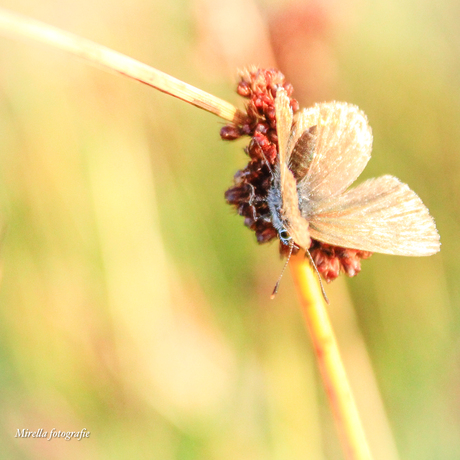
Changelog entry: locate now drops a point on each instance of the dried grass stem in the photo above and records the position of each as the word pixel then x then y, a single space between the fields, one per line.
pixel 21 27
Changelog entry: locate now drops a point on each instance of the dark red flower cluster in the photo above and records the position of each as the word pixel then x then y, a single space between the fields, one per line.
pixel 331 260
pixel 251 184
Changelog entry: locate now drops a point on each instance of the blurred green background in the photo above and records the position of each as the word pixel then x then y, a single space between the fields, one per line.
pixel 135 304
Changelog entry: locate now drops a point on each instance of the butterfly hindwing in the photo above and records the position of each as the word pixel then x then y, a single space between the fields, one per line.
pixel 380 215
pixel 302 154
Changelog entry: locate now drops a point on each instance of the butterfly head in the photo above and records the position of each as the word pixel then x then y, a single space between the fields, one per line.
pixel 285 237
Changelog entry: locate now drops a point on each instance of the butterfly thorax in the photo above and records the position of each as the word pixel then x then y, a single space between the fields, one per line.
pixel 275 204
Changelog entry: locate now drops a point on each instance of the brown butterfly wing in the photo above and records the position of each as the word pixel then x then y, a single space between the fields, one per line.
pixel 295 224
pixel 343 148
pixel 303 153
pixel 284 119
pixel 380 215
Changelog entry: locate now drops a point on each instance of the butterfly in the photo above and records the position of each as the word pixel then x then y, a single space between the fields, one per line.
pixel 321 152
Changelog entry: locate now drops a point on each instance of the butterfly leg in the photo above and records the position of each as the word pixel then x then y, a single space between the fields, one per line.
pixel 252 199
pixel 307 254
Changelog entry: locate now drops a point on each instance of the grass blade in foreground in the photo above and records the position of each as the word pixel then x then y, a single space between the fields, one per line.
pixel 21 27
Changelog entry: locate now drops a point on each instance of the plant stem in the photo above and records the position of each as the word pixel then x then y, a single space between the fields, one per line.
pixel 17 26
pixel 330 363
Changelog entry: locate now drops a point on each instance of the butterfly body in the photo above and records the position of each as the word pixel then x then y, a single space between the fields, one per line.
pixel 286 213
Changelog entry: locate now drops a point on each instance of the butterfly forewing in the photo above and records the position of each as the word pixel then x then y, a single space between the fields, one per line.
pixel 380 215
pixel 343 148
pixel 283 130
pixel 290 213
pixel 295 224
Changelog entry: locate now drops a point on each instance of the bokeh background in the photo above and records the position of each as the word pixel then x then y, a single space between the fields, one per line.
pixel 135 304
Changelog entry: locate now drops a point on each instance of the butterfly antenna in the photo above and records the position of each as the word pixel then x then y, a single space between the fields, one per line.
pixel 277 285
pixel 319 276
